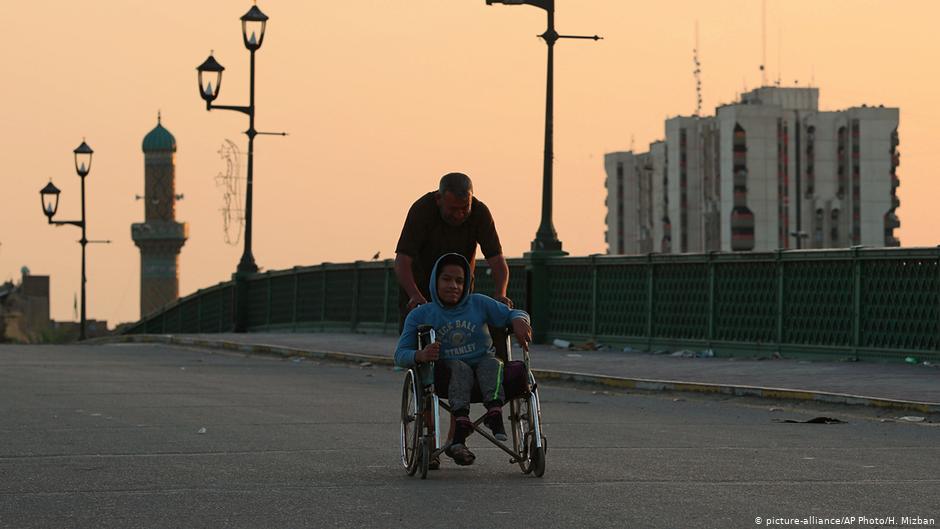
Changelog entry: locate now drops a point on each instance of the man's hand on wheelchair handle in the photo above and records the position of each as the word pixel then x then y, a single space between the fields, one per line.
pixel 523 332
pixel 504 300
pixel 429 353
pixel 416 300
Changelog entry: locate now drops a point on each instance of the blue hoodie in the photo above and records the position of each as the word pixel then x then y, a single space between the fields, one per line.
pixel 460 328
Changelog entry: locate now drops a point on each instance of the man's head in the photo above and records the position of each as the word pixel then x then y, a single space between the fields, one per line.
pixel 454 197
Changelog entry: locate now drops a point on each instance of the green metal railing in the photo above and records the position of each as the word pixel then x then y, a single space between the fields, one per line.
pixel 869 303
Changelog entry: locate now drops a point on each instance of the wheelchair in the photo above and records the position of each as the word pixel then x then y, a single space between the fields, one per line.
pixel 424 387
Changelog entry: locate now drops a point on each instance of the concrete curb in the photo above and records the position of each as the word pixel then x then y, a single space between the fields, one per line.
pixel 736 390
pixel 547 374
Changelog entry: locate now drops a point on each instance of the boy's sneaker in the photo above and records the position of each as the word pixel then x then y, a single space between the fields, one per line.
pixel 460 454
pixel 494 421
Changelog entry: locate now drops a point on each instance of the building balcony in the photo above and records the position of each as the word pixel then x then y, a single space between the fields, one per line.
pixel 159 230
pixel 892 221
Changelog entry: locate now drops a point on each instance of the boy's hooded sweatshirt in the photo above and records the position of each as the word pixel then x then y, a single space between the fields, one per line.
pixel 460 328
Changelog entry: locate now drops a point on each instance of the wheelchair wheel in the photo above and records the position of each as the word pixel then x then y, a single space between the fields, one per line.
pixel 424 457
pixel 537 458
pixel 536 453
pixel 525 421
pixel 523 432
pixel 411 424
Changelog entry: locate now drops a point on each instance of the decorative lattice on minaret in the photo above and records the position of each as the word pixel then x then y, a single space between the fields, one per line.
pixel 160 238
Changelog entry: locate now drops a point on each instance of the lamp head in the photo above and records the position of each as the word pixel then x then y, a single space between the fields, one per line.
pixel 253 26
pixel 210 79
pixel 50 199
pixel 83 155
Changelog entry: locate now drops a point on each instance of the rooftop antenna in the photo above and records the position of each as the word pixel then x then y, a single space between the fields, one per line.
pixel 697 73
pixel 763 58
pixel 631 142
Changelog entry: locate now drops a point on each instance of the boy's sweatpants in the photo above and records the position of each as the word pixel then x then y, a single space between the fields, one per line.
pixel 488 372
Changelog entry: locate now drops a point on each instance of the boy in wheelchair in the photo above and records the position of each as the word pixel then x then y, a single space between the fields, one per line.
pixel 463 345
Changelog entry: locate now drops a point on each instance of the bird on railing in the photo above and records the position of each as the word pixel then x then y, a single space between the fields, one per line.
pixel 376 256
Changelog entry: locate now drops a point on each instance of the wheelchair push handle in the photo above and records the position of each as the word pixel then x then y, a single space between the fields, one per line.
pixel 426 336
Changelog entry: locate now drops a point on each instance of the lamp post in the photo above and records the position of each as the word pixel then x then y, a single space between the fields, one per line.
pixel 50 204
pixel 210 71
pixel 546 239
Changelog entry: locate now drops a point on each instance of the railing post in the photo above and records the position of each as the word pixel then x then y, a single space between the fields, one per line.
pixel 241 301
pixel 650 291
pixel 267 313
pixel 222 310
pixel 541 295
pixel 593 297
pixel 779 266
pixel 856 300
pixel 323 296
pixel 293 314
pixel 199 296
pixel 354 315
pixel 385 296
pixel 711 298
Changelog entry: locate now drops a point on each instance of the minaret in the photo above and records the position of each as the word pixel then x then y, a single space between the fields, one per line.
pixel 160 238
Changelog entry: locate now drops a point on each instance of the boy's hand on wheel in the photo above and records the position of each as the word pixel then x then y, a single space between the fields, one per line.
pixel 523 332
pixel 429 353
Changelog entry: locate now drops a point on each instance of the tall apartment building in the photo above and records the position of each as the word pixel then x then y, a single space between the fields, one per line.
pixel 769 171
pixel 629 229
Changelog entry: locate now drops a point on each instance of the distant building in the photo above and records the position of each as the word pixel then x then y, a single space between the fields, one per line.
pixel 160 238
pixel 629 212
pixel 760 173
pixel 24 309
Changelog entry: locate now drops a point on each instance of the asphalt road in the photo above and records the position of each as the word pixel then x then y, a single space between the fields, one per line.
pixel 130 435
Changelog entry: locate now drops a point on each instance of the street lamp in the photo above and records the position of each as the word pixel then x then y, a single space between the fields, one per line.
pixel 254 23
pixel 546 239
pixel 210 71
pixel 50 204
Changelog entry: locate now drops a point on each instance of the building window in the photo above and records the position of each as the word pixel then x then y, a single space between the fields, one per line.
pixel 666 244
pixel 891 218
pixel 818 221
pixel 841 162
pixel 683 192
pixel 783 185
pixel 810 161
pixel 834 231
pixel 620 207
pixel 742 219
pixel 856 184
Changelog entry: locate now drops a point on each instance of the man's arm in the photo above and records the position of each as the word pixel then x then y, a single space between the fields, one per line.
pixel 406 279
pixel 500 270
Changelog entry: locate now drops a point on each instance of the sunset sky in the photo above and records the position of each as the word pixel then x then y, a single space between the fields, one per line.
pixel 381 98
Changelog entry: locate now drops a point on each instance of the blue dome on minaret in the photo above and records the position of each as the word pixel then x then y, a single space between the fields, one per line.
pixel 159 139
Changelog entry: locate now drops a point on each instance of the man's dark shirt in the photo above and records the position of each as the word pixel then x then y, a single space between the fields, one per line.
pixel 426 236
